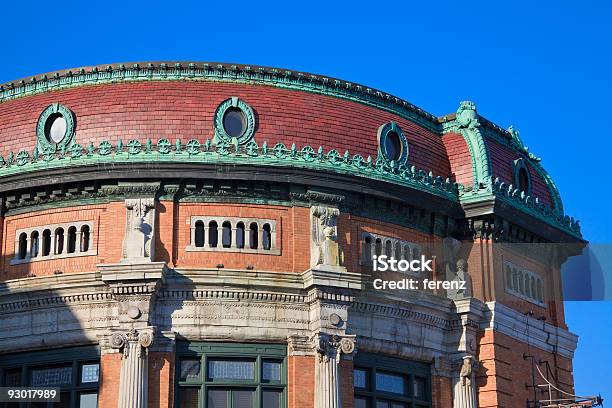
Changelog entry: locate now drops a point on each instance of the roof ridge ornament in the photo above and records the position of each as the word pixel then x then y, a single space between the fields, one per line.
pixel 468 125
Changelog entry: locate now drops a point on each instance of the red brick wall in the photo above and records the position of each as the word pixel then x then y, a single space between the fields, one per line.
pixel 347 390
pixel 441 392
pixel 301 379
pixel 504 373
pixel 459 157
pixel 502 166
pixel 161 380
pixel 110 373
pixel 106 229
pixel 185 110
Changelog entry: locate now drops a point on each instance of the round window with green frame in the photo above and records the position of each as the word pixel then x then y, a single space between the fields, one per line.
pixel 234 120
pixel 392 144
pixel 55 128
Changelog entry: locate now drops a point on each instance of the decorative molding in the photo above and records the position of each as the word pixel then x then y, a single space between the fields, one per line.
pixel 43 144
pixel 249 116
pixel 519 164
pixel 383 134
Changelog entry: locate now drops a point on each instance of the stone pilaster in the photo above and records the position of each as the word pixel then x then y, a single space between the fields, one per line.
pixel 330 349
pixel 133 385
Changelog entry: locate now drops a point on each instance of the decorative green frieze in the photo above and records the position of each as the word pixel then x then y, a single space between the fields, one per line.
pixel 235 154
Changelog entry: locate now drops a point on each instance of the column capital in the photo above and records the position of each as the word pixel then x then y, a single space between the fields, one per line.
pixel 332 346
pixel 123 339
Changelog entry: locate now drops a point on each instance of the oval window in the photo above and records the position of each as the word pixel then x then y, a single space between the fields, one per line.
pixel 234 122
pixel 55 128
pixel 393 146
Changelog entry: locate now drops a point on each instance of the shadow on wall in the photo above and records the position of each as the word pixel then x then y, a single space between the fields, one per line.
pixel 43 342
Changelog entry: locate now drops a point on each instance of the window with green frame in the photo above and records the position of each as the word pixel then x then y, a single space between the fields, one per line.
pixel 231 375
pixel 75 371
pixel 385 382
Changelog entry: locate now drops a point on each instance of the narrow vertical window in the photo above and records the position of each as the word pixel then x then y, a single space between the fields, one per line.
pixel 213 235
pixel 508 277
pixel 46 242
pixel 71 240
pixel 23 245
pixel 266 237
pixel 199 234
pixel 388 249
pixel 253 235
pixel 240 235
pixel 34 244
pixel 59 241
pixel 378 248
pixel 85 238
pixel 367 250
pixel 398 251
pixel 226 234
pixel 406 253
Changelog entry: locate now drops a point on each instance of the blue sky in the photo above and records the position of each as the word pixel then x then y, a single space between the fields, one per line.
pixel 542 66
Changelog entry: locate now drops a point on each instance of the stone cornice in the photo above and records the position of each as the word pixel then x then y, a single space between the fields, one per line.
pixel 527 329
pixel 217 72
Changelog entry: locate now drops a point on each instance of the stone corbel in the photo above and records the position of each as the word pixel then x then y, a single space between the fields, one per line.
pixel 139 239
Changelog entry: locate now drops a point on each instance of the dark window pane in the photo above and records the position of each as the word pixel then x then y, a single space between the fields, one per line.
pixel 390 383
pixel 360 378
pixel 188 398
pixel 64 401
pixel 234 122
pixel 190 369
pixel 397 405
pixel 393 146
pixel 382 404
pixel 12 378
pixel 361 403
pixel 272 399
pixel 90 373
pixel 418 388
pixel 231 369
pixel 216 399
pixel 271 371
pixel 88 400
pixel 51 377
pixel 242 399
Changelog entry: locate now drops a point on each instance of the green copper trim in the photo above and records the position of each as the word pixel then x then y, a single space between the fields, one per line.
pixel 42 141
pixel 243 74
pixel 467 124
pixel 223 152
pixel 383 134
pixel 518 165
pixel 249 116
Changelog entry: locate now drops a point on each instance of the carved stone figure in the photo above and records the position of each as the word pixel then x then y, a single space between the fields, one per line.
pixel 324 245
pixel 139 231
pixel 464 395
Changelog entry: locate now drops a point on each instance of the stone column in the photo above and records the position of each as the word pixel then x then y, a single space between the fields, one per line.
pixel 330 349
pixel 133 383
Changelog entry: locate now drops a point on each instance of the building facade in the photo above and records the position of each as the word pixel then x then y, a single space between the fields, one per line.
pixel 201 235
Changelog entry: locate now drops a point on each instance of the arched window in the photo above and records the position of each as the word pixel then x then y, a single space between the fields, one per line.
pixel 240 235
pixel 266 237
pixel 527 286
pixel 509 277
pixel 521 283
pixel 34 244
pixel 388 249
pixel 253 235
pixel 226 235
pixel 534 289
pixel 416 253
pixel 85 238
pixel 540 291
pixel 213 235
pixel 367 249
pixel 378 248
pixel 59 241
pixel 398 251
pixel 515 285
pixel 46 242
pixel 71 240
pixel 199 234
pixel 406 252
pixel 23 246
